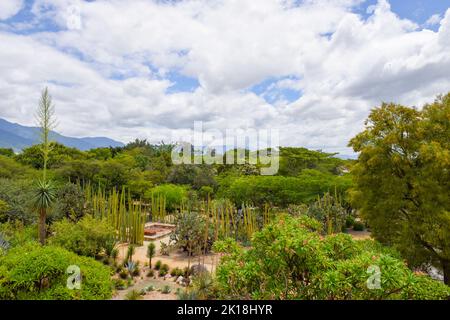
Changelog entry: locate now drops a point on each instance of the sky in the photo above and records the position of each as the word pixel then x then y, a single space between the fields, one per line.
pixel 311 69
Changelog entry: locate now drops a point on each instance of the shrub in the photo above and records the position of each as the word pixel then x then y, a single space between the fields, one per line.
pixel 176 272
pixel 150 273
pixel 150 288
pixel 162 272
pixel 349 221
pixel 123 273
pixel 87 237
pixel 166 289
pixel 158 265
pixel 33 272
pixel 164 267
pixel 331 267
pixel 358 226
pixel 133 295
pixel 119 284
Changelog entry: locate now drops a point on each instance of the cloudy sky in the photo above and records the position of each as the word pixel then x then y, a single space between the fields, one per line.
pixel 148 69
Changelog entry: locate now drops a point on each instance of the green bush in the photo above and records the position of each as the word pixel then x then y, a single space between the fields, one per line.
pixel 158 265
pixel 358 226
pixel 332 267
pixel 119 284
pixel 33 272
pixel 173 194
pixel 166 289
pixel 133 295
pixel 176 272
pixel 164 267
pixel 162 272
pixel 87 237
pixel 349 221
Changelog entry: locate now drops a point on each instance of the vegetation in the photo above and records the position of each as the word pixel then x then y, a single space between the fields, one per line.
pixel 39 272
pixel 290 260
pixel 402 180
pixel 276 237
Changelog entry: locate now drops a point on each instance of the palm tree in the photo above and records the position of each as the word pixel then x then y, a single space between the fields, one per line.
pixel 151 250
pixel 45 191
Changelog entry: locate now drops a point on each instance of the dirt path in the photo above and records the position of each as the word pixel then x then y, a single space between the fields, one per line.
pixel 174 260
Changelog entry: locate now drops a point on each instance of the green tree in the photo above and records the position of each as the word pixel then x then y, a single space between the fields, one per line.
pixel 7 152
pixel 403 180
pixel 151 251
pixel 45 189
pixel 289 259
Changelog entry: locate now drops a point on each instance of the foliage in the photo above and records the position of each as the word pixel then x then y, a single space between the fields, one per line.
pixel 34 157
pixel 402 180
pixel 87 237
pixel 294 160
pixel 158 265
pixel 18 197
pixel 151 251
pixel 282 191
pixel 40 272
pixel 174 195
pixel 11 169
pixel 166 289
pixel 193 233
pixel 330 212
pixel 7 152
pixel 358 226
pixel 133 295
pixel 289 260
pixel 197 176
pixel 70 203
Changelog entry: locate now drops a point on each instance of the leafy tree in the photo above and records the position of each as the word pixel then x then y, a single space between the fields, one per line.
pixel 403 180
pixel 174 195
pixel 7 152
pixel 282 191
pixel 195 175
pixel 289 259
pixel 34 156
pixel 151 251
pixel 294 160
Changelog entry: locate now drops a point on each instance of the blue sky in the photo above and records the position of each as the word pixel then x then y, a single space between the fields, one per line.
pixel 149 69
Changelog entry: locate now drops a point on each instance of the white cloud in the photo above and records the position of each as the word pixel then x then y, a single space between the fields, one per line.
pixel 9 8
pixel 109 77
pixel 433 20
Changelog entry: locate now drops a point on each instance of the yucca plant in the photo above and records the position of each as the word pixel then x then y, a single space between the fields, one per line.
pixel 45 191
pixel 44 196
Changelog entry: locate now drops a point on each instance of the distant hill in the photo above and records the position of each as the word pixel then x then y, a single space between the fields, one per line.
pixel 18 137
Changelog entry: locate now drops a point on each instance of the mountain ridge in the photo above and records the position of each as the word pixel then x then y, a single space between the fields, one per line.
pixel 18 137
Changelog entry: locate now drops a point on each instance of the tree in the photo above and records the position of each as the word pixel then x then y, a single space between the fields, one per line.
pixel 45 189
pixel 403 180
pixel 289 259
pixel 151 250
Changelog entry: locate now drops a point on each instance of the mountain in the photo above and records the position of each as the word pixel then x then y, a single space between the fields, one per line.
pixel 18 137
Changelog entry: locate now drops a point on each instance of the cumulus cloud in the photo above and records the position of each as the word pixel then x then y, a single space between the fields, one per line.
pixel 110 75
pixel 9 8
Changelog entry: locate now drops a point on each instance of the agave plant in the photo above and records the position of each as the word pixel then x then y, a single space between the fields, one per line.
pixel 44 196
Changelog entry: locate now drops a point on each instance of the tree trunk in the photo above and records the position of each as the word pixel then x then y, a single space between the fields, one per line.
pixel 42 226
pixel 446 269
